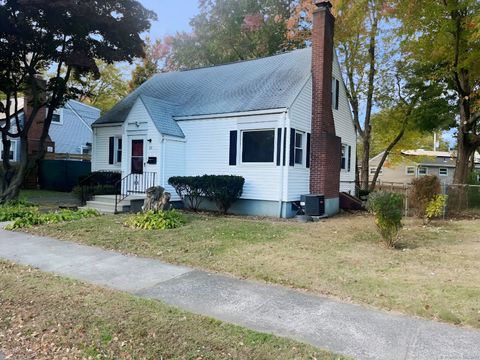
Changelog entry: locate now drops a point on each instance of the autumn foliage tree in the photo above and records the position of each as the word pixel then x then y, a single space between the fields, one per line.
pixel 67 36
pixel 443 38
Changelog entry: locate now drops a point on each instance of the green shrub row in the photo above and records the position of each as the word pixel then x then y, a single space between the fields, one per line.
pixel 32 218
pixel 224 190
pixel 14 210
pixel 156 220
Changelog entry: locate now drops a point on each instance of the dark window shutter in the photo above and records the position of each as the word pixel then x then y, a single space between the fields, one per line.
pixel 279 146
pixel 308 151
pixel 111 150
pixel 337 93
pixel 292 147
pixel 349 157
pixel 233 147
pixel 285 147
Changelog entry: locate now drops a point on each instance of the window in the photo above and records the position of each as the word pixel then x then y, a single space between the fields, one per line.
pixel 410 170
pixel 422 170
pixel 56 118
pixel 373 170
pixel 335 93
pixel 13 150
pixel 299 148
pixel 118 150
pixel 443 172
pixel 258 146
pixel 345 165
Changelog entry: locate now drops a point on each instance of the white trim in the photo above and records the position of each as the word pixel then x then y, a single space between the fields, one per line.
pixel 410 167
pixel 248 163
pixel 58 112
pixel 303 148
pixel 234 114
pixel 422 167
pixel 116 124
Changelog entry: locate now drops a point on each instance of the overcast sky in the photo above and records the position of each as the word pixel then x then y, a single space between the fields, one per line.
pixel 173 15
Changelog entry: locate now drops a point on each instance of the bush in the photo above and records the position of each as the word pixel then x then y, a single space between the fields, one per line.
pixel 156 220
pixel 387 209
pixel 435 207
pixel 13 210
pixel 224 190
pixel 190 189
pixel 36 218
pixel 423 190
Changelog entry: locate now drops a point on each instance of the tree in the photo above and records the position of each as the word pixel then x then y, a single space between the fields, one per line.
pixel 412 106
pixel 443 38
pixel 232 30
pixel 156 59
pixel 67 36
pixel 102 91
pixel 361 28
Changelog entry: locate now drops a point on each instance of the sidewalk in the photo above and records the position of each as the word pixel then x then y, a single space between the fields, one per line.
pixel 343 328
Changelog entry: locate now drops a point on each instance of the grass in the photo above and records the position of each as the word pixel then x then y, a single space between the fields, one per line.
pixel 43 316
pixel 48 200
pixel 435 274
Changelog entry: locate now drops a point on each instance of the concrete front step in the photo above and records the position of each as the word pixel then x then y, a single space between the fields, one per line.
pixel 106 204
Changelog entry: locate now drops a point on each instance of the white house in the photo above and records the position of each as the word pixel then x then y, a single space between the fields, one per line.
pixel 250 118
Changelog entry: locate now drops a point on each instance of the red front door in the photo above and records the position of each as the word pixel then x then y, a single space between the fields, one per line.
pixel 137 157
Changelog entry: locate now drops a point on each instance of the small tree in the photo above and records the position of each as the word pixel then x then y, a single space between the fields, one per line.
pixel 423 191
pixel 387 209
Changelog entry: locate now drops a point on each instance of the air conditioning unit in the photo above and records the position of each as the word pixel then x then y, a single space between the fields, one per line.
pixel 313 205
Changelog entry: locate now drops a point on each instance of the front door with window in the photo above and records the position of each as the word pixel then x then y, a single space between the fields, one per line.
pixel 137 157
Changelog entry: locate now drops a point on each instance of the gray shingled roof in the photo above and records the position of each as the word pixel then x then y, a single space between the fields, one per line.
pixel 266 83
pixel 161 114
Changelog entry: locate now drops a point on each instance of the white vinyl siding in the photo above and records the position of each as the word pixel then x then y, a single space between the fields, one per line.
pixel 300 115
pixel 100 148
pixel 207 152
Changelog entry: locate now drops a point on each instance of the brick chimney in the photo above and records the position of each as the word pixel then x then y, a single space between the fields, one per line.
pixel 325 145
pixel 35 131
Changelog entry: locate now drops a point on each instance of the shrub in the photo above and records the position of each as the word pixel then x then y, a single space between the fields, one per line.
pixel 435 207
pixel 13 210
pixel 190 189
pixel 423 190
pixel 224 190
pixel 387 209
pixel 156 220
pixel 36 218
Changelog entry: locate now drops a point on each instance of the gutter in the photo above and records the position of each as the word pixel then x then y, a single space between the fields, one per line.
pixel 282 167
pixel 233 114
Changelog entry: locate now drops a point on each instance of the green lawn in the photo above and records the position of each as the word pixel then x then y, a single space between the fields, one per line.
pixel 48 317
pixel 436 274
pixel 49 200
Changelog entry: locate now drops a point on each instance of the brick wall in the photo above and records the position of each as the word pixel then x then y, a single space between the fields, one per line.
pixel 325 145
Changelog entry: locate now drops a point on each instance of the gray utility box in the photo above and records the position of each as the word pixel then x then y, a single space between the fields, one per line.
pixel 314 205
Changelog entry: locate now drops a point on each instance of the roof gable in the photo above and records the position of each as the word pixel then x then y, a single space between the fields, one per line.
pixel 161 114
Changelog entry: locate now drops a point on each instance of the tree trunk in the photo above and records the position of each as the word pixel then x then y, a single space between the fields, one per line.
pixel 364 173
pixel 464 152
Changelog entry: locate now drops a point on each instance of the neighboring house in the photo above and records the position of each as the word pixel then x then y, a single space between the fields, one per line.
pixel 416 163
pixel 70 131
pixel 250 118
pixel 71 128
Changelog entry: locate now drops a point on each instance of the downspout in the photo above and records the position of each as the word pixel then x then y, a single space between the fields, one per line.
pixel 282 167
pixel 163 161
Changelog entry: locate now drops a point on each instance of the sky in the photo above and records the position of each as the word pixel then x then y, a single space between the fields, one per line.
pixel 173 15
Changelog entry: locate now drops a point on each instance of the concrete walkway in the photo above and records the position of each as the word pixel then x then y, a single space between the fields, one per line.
pixel 342 328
